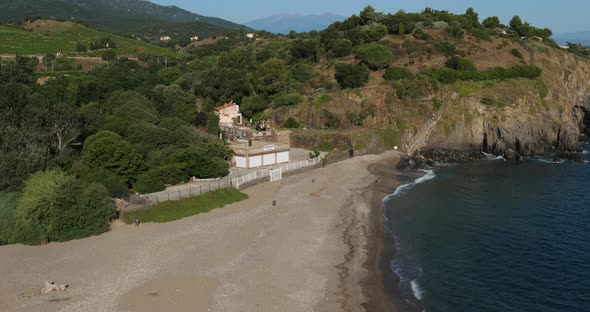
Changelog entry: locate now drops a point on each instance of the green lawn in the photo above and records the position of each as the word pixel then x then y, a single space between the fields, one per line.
pixel 175 210
pixel 64 39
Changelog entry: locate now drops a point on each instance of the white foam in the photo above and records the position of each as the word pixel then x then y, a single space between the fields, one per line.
pixel 418 292
pixel 549 161
pixel 585 152
pixel 403 189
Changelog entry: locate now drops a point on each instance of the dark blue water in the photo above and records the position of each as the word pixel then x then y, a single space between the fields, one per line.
pixel 484 236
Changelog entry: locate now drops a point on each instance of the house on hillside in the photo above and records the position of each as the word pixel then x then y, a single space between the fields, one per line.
pixel 194 38
pixel 228 113
pixel 165 38
pixel 250 35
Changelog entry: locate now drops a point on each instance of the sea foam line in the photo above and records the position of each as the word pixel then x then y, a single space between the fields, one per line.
pixel 403 189
pixel 417 290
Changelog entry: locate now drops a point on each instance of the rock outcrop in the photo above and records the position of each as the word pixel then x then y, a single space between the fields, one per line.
pixel 531 117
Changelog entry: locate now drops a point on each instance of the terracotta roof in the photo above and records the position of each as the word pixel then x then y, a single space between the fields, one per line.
pixel 224 106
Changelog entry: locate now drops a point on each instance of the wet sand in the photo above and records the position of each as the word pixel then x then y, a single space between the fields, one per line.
pixel 308 253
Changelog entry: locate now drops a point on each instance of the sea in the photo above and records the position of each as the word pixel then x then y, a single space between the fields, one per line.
pixel 493 235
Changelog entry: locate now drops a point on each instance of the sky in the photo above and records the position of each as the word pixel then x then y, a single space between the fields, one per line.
pixel 561 16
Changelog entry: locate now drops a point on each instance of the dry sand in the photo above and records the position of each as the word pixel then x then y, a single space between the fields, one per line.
pixel 305 254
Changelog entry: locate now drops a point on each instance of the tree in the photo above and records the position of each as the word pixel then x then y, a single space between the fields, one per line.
pixel 149 182
pixel 351 76
pixel 516 24
pixel 270 77
pixel 289 99
pixel 213 124
pixel 110 151
pixel 368 15
pixel 200 120
pixel 252 105
pixel 109 55
pixel 305 49
pixel 455 30
pixel 491 22
pixel 81 47
pixel 374 55
pixel 169 74
pixel 472 17
pixel 375 32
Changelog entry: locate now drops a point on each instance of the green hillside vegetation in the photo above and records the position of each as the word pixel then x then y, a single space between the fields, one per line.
pixel 115 16
pixel 46 36
pixel 137 127
pixel 180 33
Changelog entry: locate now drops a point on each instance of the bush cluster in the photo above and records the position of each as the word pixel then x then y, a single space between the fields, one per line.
pixel 446 75
pixel 397 73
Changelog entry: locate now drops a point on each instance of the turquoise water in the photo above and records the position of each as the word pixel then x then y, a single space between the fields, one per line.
pixel 492 236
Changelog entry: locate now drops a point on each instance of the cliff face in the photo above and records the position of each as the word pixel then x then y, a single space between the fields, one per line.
pixel 528 117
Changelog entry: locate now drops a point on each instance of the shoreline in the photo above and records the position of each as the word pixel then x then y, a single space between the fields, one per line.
pixel 381 285
pixel 307 253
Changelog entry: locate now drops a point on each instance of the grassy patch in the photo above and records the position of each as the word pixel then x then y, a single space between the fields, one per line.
pixel 175 210
pixel 47 39
pixel 467 88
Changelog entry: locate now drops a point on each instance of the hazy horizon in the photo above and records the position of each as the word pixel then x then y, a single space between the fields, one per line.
pixel 548 14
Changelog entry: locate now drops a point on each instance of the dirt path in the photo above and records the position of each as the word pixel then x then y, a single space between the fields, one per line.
pixel 250 256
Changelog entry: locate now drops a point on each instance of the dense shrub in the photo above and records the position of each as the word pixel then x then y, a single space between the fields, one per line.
pixel 90 214
pixel 375 56
pixel 340 47
pixel 351 76
pixel 460 63
pixel 446 75
pixel 113 183
pixel 479 34
pixel 149 182
pixel 289 99
pixel 397 73
pixel 421 35
pixel 291 123
pixel 375 32
pixel 446 48
pixel 517 53
pixel 56 207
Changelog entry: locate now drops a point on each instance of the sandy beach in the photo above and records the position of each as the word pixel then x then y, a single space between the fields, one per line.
pixel 307 253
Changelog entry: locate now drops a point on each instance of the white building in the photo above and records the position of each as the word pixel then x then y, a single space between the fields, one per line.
pixel 194 38
pixel 254 154
pixel 250 35
pixel 165 38
pixel 228 113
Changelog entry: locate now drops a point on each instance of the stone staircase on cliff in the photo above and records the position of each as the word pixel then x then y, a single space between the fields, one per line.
pixel 419 140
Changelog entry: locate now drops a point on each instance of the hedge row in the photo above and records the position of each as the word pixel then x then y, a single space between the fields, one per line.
pixel 446 75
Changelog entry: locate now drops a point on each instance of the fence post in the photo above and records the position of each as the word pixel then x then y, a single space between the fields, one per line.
pixel 190 192
pixel 168 195
pixel 218 184
pixel 179 197
pixel 200 190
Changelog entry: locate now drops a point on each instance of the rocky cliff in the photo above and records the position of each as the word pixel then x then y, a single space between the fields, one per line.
pixel 526 117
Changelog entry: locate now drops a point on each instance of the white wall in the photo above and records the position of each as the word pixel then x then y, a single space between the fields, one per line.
pixel 240 161
pixel 255 161
pixel 269 159
pixel 283 157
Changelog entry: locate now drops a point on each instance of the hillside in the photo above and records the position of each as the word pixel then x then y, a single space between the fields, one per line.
pixel 116 16
pixel 47 36
pixel 181 32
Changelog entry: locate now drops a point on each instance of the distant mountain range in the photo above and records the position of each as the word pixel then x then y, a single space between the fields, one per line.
pixel 116 16
pixel 582 37
pixel 284 23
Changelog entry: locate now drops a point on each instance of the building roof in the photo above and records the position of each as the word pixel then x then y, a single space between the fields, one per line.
pixel 224 106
